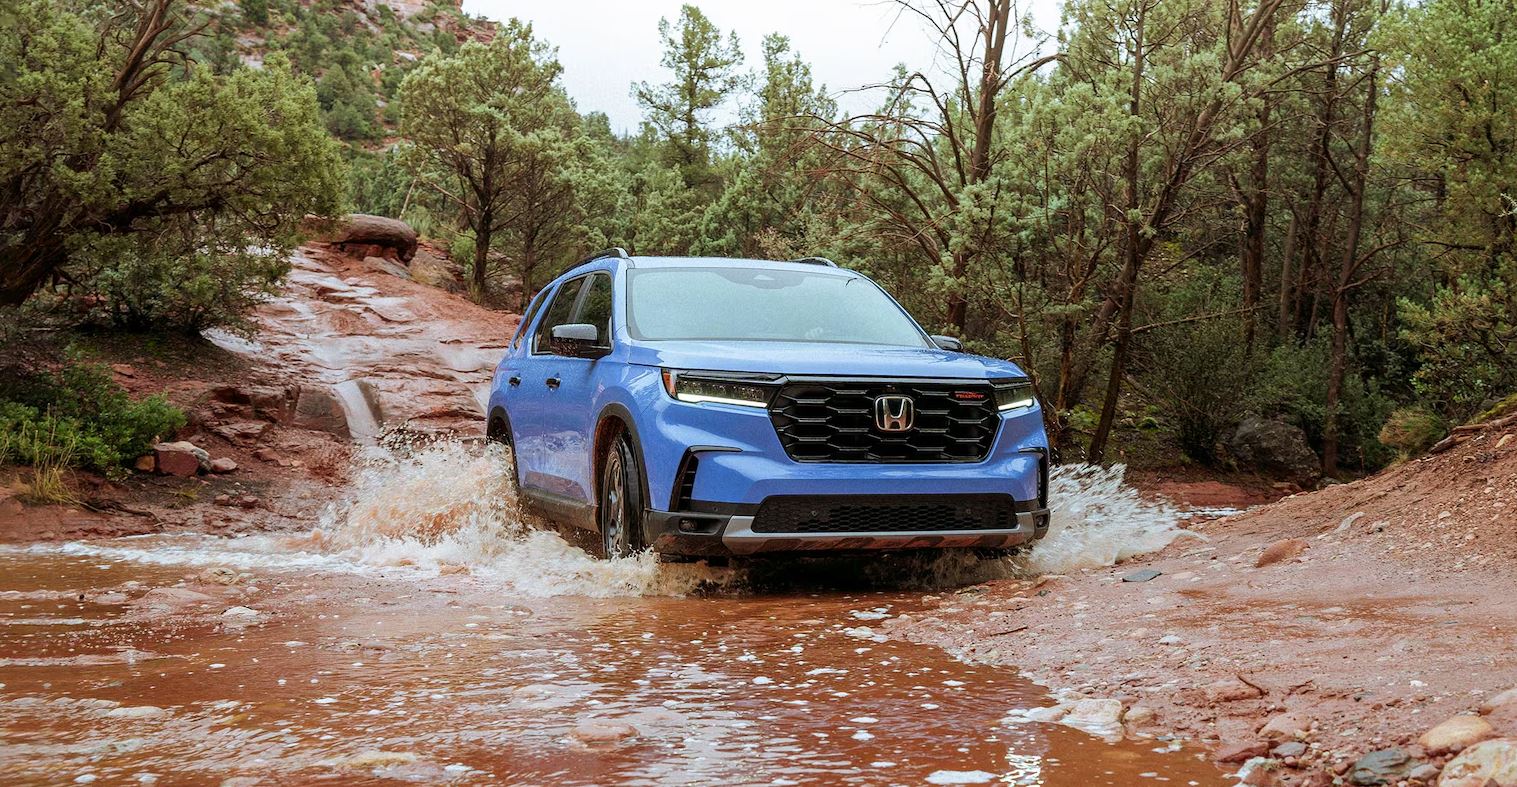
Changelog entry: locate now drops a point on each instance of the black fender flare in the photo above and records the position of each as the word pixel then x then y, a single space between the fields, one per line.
pixel 624 415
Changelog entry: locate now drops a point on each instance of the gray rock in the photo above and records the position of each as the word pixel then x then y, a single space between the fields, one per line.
pixel 1273 447
pixel 1289 749
pixel 1381 767
pixel 1143 576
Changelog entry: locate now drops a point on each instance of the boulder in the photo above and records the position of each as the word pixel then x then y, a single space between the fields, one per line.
pixel 1491 763
pixel 1456 734
pixel 223 464
pixel 1273 447
pixel 268 402
pixel 362 233
pixel 320 409
pixel 1385 766
pixel 181 458
pixel 1286 726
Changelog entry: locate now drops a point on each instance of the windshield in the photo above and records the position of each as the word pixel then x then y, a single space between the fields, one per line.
pixel 764 304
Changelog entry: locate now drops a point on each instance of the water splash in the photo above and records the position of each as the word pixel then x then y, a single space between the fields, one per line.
pixel 445 506
pixel 1098 520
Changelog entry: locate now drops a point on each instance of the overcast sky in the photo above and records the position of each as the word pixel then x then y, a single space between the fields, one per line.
pixel 607 45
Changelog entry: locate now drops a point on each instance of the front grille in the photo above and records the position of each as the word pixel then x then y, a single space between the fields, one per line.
pixel 833 421
pixel 884 513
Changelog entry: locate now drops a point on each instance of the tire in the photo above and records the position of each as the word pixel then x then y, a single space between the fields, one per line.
pixel 500 432
pixel 620 513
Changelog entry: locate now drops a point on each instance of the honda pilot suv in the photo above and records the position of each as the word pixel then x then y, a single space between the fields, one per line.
pixel 722 407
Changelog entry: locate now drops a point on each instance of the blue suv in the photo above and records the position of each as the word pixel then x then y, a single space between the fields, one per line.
pixel 720 407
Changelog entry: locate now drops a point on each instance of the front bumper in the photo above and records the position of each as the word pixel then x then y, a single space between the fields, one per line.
pixel 711 533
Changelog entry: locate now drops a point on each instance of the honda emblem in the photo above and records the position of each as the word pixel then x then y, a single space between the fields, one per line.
pixel 894 413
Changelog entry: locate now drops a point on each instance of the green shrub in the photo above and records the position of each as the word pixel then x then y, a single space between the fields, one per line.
pixel 77 416
pixel 1412 430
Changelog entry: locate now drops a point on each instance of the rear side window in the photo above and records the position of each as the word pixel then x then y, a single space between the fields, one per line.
pixel 596 309
pixel 526 320
pixel 558 313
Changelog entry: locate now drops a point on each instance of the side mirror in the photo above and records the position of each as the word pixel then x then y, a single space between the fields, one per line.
pixel 576 340
pixel 947 343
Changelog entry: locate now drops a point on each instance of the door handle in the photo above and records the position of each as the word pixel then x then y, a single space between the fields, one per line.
pixel 553 382
pixel 514 380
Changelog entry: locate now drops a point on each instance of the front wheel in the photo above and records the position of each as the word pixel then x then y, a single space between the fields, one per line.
pixel 621 502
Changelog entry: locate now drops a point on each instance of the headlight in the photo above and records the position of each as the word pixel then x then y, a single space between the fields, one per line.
pixel 695 387
pixel 1014 395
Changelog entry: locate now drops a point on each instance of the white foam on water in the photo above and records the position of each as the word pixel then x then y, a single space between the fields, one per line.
pixel 1098 520
pixel 446 506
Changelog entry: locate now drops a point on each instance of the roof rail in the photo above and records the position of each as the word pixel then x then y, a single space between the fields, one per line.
pixel 817 261
pixel 614 251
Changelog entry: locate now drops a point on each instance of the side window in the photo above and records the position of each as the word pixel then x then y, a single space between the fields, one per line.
pixel 596 308
pixel 558 313
pixel 526 320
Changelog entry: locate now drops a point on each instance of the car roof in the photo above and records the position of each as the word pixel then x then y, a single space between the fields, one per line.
pixel 641 262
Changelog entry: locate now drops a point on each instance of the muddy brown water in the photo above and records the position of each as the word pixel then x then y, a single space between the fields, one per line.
pixel 391 675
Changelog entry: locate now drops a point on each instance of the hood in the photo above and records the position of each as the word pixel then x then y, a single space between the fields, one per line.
pixel 812 358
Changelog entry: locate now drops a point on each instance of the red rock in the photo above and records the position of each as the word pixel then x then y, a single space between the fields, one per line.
pixel 1456 734
pixel 1286 726
pixel 181 458
pixel 248 501
pixel 1241 752
pixel 1281 551
pixel 223 464
pixel 1232 690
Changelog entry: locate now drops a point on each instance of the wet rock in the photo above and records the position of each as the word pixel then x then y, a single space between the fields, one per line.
pixel 243 433
pixel 1456 734
pixel 1145 575
pixel 593 731
pixel 1286 726
pixel 1491 763
pixel 222 464
pixel 146 463
pixel 321 410
pixel 378 759
pixel 1241 752
pixel 1272 447
pixel 1289 749
pixel 362 233
pixel 384 265
pixel 1096 715
pixel 172 599
pixel 1281 551
pixel 1232 690
pixel 218 575
pixel 181 458
pixel 1385 766
pixel 270 403
pixel 1139 715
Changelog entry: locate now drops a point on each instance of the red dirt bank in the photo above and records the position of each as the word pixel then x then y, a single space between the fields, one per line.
pixel 1396 614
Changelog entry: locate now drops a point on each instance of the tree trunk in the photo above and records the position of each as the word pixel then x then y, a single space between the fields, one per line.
pixel 1132 258
pixel 25 268
pixel 1256 207
pixel 1311 262
pixel 1347 267
pixel 481 261
pixel 1287 259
